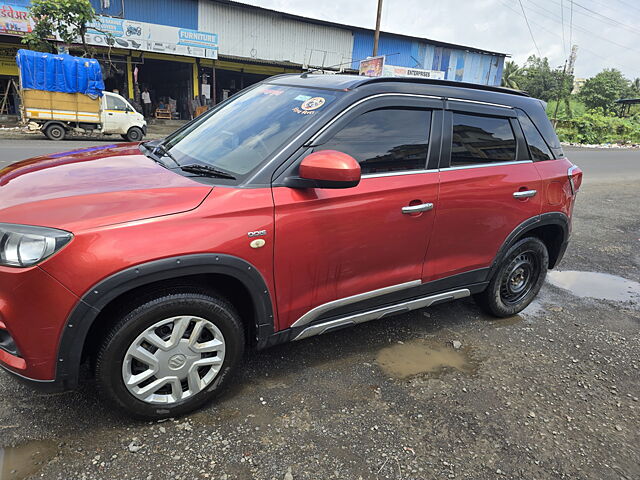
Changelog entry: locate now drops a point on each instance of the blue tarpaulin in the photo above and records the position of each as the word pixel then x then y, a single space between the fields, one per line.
pixel 60 73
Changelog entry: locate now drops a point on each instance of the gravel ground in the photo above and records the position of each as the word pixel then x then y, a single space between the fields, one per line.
pixel 445 392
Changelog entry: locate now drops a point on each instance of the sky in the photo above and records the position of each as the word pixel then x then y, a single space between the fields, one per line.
pixel 607 32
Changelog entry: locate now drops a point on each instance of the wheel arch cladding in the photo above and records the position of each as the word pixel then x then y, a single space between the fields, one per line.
pixel 552 228
pixel 106 294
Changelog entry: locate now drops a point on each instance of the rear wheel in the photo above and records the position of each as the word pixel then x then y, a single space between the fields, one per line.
pixel 170 355
pixel 55 132
pixel 518 279
pixel 134 134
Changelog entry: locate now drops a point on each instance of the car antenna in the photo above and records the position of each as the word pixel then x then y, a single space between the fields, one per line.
pixel 306 74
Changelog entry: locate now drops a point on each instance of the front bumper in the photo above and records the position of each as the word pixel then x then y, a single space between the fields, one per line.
pixel 33 312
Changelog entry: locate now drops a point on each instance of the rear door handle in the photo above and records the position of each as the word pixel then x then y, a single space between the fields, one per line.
pixel 423 207
pixel 525 194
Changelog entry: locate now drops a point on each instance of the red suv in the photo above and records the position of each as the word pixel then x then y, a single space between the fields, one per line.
pixel 302 205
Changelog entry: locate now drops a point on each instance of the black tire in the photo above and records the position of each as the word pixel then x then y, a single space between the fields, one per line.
pixel 124 137
pixel 517 280
pixel 134 134
pixel 111 355
pixel 55 132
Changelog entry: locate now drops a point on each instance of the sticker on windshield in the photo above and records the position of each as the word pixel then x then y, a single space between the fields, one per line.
pixel 312 104
pixel 309 106
pixel 269 91
pixel 302 98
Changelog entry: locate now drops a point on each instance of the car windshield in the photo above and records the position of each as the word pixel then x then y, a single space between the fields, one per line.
pixel 241 134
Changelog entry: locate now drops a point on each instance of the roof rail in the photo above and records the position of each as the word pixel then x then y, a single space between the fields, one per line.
pixel 448 83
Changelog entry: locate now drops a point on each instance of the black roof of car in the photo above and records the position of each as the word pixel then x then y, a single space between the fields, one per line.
pixel 445 89
pixel 350 82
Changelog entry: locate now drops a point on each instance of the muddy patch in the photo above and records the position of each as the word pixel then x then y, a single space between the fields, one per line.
pixel 595 285
pixel 421 357
pixel 18 463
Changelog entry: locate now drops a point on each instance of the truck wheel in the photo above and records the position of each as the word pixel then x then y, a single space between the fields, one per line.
pixel 134 134
pixel 170 355
pixel 55 132
pixel 518 279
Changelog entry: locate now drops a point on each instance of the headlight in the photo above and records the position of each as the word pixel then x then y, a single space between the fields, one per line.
pixel 24 245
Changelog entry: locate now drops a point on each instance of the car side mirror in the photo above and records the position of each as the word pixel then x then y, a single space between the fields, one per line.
pixel 326 169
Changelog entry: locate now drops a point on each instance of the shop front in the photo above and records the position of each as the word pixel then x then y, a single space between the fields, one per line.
pixel 226 76
pixel 171 83
pixel 9 82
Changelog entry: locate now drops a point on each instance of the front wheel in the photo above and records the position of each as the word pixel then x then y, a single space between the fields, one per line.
pixel 170 355
pixel 518 279
pixel 134 134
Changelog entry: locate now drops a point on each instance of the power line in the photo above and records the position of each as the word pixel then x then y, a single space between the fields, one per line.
pixel 571 24
pixel 629 5
pixel 555 34
pixel 529 27
pixel 612 20
pixel 564 45
pixel 594 15
pixel 590 32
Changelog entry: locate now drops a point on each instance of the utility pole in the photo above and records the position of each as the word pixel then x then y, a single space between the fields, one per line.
pixel 567 70
pixel 376 36
pixel 560 92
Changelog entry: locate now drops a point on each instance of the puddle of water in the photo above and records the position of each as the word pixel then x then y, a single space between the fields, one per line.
pixel 418 357
pixel 18 463
pixel 595 285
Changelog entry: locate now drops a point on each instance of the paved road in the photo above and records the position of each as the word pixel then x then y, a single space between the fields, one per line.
pixel 15 149
pixel 598 164
pixel 550 393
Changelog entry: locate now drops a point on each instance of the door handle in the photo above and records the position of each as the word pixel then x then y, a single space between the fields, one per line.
pixel 525 194
pixel 423 207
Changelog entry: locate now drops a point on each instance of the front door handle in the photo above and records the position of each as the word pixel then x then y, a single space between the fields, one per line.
pixel 525 194
pixel 423 207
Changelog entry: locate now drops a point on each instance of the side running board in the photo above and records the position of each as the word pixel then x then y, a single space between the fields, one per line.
pixel 320 328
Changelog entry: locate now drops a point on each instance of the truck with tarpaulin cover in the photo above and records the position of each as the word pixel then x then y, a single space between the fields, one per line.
pixel 62 94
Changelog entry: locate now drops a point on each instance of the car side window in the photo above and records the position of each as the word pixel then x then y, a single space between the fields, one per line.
pixel 114 103
pixel 537 146
pixel 386 140
pixel 481 139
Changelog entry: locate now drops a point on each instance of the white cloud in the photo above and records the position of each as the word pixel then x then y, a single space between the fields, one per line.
pixel 498 25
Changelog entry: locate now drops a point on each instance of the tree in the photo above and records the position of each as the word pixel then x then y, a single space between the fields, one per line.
pixel 511 75
pixel 540 81
pixel 66 18
pixel 635 88
pixel 602 90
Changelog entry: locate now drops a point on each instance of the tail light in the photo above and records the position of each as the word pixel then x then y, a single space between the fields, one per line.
pixel 575 178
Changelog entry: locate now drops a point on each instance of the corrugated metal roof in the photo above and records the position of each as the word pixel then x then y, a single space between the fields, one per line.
pixel 353 27
pixel 272 36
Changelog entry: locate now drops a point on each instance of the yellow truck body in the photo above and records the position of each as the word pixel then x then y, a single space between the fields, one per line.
pixel 40 105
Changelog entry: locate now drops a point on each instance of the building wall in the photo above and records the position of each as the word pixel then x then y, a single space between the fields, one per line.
pixel 458 64
pixel 271 36
pixel 400 51
pixel 176 13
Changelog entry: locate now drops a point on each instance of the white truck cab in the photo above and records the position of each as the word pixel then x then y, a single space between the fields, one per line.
pixel 118 116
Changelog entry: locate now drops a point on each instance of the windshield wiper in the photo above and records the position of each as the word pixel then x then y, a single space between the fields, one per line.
pixel 152 155
pixel 165 153
pixel 206 171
